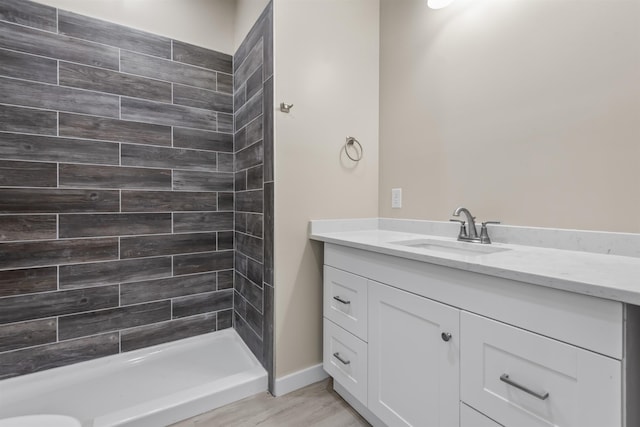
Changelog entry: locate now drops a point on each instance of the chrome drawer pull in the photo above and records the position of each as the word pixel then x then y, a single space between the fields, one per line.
pixel 344 362
pixel 505 378
pixel 345 302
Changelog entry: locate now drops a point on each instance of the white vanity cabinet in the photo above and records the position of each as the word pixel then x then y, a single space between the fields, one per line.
pixel 413 359
pixel 426 346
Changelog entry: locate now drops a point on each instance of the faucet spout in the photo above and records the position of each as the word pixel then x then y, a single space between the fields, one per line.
pixel 473 233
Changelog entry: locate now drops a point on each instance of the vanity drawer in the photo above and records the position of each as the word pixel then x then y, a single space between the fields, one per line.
pixel 522 379
pixel 345 359
pixel 345 300
pixel 469 417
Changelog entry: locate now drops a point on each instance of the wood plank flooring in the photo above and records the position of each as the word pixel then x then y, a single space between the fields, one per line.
pixel 316 405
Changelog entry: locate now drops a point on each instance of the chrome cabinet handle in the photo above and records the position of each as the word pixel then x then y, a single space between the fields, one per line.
pixel 505 378
pixel 345 302
pixel 344 362
pixel 446 336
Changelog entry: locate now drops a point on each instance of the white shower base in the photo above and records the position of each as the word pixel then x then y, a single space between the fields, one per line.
pixel 151 387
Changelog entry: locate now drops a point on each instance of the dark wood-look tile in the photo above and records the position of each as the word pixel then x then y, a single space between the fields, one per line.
pixel 268 233
pixel 27 334
pixel 249 313
pixel 28 281
pixel 29 360
pixel 249 245
pixel 200 263
pixel 28 13
pixel 248 335
pixel 225 201
pixel 113 319
pixel 51 149
pixel 28 174
pixel 225 83
pixel 249 201
pixel 40 95
pixel 259 31
pixel 79 126
pixel 240 97
pixel 28 120
pixel 254 224
pixel 49 304
pixel 249 65
pixel 225 240
pixel 249 291
pixel 28 67
pixel 255 133
pixel 162 69
pixel 240 139
pixel 250 156
pixel 106 273
pixel 201 181
pixel 240 180
pixel 166 114
pixel 202 140
pixel 254 178
pixel 146 336
pixel 172 158
pixel 249 111
pixel 202 98
pixel 225 122
pixel 95 225
pixel 203 303
pixel 268 131
pixel 241 222
pixel 96 30
pixel 27 227
pixel 37 42
pixel 58 201
pixel 201 57
pixel 254 272
pixel 86 176
pixel 101 80
pixel 241 263
pixel 154 290
pixel 225 162
pixel 225 279
pixel 144 246
pixel 202 221
pixel 268 331
pixel 267 33
pixel 225 319
pixel 254 83
pixel 49 252
pixel 167 201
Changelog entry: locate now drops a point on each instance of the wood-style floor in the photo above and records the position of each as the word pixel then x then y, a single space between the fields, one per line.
pixel 314 405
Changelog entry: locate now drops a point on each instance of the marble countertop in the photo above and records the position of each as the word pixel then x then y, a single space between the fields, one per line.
pixel 603 275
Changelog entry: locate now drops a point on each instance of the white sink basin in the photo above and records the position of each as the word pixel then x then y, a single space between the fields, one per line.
pixel 451 247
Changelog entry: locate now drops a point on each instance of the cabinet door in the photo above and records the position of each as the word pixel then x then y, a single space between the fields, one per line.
pixel 413 362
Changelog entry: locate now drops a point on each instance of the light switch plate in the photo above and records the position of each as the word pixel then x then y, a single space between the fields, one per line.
pixel 396 198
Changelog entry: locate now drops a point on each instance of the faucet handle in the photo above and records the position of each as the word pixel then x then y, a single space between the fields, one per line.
pixel 463 227
pixel 484 234
pixel 484 224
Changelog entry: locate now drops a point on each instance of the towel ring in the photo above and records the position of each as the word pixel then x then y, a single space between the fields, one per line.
pixel 357 148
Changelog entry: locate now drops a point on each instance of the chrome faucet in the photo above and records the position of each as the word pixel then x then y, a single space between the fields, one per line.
pixel 472 235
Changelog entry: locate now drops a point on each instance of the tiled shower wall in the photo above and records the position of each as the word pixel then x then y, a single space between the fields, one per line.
pixel 253 147
pixel 116 191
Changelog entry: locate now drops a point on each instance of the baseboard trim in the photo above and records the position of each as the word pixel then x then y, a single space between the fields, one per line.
pixel 297 380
